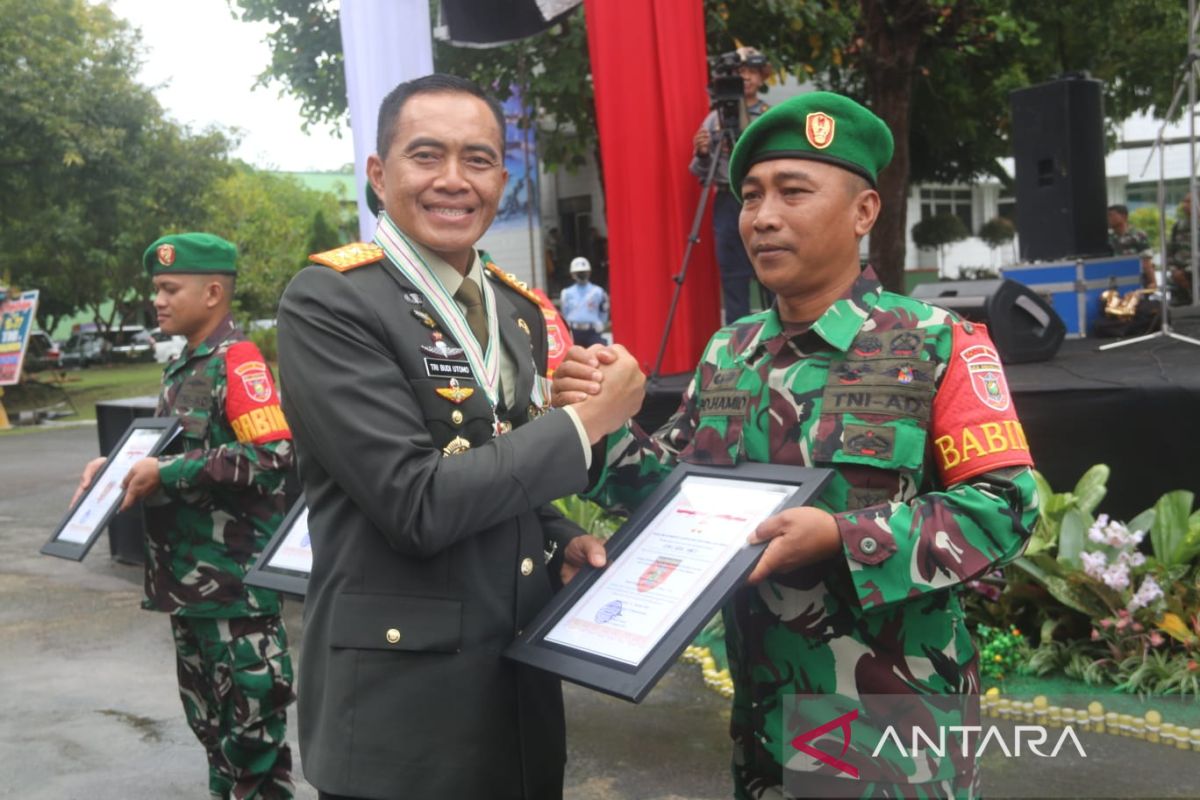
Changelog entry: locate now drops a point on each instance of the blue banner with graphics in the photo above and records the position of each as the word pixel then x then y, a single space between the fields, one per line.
pixel 17 314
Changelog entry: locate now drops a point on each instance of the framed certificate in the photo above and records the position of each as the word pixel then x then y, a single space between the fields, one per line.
pixel 286 561
pixel 670 567
pixel 75 535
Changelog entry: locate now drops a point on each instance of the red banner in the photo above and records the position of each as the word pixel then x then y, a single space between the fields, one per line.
pixel 649 70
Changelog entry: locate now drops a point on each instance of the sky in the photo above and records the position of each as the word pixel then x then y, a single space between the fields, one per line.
pixel 202 65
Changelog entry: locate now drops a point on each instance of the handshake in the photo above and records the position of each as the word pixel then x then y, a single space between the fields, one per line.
pixel 604 383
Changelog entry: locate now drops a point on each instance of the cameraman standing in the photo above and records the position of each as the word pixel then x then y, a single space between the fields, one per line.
pixel 736 272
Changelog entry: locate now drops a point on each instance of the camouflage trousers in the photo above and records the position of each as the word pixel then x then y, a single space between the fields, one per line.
pixel 235 679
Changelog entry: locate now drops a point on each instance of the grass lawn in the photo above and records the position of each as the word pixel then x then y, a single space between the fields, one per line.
pixel 84 387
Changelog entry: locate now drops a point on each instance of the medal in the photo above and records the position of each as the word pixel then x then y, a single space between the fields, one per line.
pixel 414 298
pixel 484 363
pixel 454 393
pixel 503 427
pixel 457 445
pixel 426 320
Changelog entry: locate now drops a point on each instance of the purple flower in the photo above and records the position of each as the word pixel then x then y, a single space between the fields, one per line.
pixel 1146 594
pixel 1094 564
pixel 1116 577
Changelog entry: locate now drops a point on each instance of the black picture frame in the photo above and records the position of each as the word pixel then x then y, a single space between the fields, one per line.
pixel 65 541
pixel 630 682
pixel 266 572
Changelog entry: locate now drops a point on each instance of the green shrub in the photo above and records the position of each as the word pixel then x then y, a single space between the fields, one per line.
pixel 266 341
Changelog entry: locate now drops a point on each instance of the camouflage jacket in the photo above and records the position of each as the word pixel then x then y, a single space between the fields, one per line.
pixel 1132 241
pixel 223 497
pixel 1179 245
pixel 932 488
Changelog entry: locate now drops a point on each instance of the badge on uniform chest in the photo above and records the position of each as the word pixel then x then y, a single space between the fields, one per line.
pixel 192 403
pixel 196 393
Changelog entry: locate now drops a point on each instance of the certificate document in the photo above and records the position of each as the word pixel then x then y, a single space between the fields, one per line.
pixel 639 597
pixel 106 493
pixel 295 551
pixel 286 562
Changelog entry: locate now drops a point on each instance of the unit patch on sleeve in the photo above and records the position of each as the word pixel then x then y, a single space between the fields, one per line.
pixel 975 427
pixel 251 401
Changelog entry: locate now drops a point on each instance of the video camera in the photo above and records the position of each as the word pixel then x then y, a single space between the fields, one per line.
pixel 727 89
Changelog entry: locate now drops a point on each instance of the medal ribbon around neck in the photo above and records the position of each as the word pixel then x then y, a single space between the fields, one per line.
pixel 405 258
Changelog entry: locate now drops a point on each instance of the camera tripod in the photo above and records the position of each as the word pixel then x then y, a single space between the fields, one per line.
pixel 715 151
pixel 724 142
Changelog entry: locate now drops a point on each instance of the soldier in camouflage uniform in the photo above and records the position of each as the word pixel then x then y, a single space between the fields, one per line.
pixel 1179 255
pixel 932 487
pixel 209 512
pixel 1124 239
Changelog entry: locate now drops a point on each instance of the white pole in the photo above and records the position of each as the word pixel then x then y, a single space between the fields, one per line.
pixel 1191 78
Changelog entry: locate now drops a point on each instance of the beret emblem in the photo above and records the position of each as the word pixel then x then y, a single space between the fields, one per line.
pixel 819 128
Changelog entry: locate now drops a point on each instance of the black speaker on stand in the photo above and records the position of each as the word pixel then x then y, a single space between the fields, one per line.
pixel 1058 151
pixel 1023 325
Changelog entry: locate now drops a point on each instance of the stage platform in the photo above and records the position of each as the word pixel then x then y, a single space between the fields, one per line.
pixel 1135 408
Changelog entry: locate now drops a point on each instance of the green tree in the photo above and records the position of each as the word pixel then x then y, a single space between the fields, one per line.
pixel 273 222
pixel 937 71
pixel 1145 219
pixel 551 70
pixel 90 172
pixel 938 231
pixel 997 232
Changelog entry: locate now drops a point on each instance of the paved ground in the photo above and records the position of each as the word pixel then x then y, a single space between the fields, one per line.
pixel 88 708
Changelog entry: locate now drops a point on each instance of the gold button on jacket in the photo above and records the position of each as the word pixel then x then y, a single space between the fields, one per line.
pixel 527 566
pixel 393 635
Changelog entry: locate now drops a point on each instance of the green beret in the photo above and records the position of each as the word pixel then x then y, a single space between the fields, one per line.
pixel 821 126
pixel 181 253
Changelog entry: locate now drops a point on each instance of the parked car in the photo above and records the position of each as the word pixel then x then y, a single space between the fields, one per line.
pixel 127 343
pixel 85 348
pixel 42 353
pixel 166 346
pixel 130 343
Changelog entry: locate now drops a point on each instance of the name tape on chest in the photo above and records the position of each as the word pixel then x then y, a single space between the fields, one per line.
pixel 728 403
pixel 448 368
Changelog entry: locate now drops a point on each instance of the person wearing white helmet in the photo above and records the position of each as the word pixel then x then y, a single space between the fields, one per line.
pixel 585 305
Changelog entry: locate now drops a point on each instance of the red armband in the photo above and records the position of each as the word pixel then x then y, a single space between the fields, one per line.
pixel 974 426
pixel 558 335
pixel 251 401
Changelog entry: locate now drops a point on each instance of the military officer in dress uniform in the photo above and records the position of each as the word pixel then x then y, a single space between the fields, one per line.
pixel 209 513
pixel 856 595
pixel 413 378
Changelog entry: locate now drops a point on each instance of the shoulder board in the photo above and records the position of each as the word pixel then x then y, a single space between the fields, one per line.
pixel 510 280
pixel 349 256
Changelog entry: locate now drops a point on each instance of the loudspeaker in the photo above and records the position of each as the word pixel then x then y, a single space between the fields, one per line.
pixel 1023 325
pixel 1058 150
